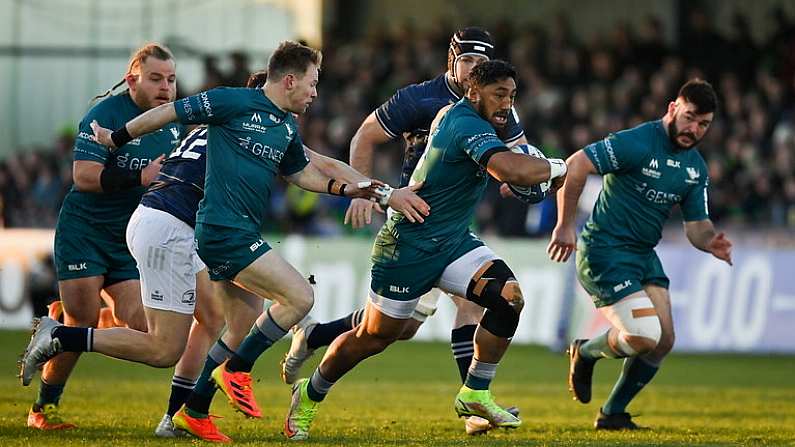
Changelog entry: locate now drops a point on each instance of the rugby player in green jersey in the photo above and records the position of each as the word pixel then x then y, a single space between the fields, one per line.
pixel 91 254
pixel 409 259
pixel 646 171
pixel 252 137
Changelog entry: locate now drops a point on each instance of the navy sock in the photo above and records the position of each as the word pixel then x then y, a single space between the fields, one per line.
pixel 48 394
pixel 198 402
pixel 181 388
pixel 318 386
pixel 634 376
pixel 74 339
pixel 480 375
pixel 462 342
pixel 256 342
pixel 325 333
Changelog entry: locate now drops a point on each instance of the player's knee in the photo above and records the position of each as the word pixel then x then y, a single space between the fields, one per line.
pixel 303 299
pixel 211 320
pixel 666 344
pixel 497 289
pixel 642 337
pixel 134 318
pixel 166 357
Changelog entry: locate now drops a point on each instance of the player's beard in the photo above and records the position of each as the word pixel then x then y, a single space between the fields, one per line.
pixel 673 132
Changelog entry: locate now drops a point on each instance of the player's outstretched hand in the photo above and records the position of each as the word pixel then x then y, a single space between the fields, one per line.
pixel 360 212
pixel 407 202
pixel 149 173
pixel 562 243
pixel 721 248
pixel 102 135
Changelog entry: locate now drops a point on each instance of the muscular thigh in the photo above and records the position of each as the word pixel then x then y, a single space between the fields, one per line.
pixel 127 306
pixel 661 299
pixel 271 277
pixel 80 298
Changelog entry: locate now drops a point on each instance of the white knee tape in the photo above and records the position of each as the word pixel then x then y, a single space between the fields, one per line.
pixel 635 317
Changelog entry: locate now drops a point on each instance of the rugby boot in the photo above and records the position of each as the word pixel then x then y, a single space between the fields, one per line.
pixel 237 387
pixel 580 372
pixel 301 413
pixel 618 421
pixel 166 429
pixel 299 351
pixel 476 425
pixel 47 418
pixel 480 403
pixel 41 348
pixel 202 428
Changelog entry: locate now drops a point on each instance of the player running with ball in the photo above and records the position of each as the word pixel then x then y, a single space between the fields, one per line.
pixel 409 259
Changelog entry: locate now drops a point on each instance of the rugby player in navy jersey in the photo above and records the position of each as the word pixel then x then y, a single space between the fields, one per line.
pixel 91 257
pixel 409 113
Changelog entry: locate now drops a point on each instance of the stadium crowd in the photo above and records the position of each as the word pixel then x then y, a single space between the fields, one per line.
pixel 572 92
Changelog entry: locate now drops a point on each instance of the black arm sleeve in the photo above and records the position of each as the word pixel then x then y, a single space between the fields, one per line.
pixel 116 179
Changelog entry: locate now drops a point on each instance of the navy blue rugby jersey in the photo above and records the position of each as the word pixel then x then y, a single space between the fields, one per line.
pixel 179 187
pixel 411 110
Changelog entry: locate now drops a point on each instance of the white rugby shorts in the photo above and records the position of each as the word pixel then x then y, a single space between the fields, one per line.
pixel 163 247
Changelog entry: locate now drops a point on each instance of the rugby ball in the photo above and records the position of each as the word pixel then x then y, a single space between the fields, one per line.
pixel 535 193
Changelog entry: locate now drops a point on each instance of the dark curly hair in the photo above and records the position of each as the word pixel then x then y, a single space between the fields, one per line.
pixel 701 94
pixel 489 72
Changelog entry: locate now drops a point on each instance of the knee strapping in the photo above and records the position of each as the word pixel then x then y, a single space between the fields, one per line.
pixel 494 287
pixel 641 330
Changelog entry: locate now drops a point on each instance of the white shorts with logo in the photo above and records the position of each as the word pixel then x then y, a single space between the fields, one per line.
pixel 163 247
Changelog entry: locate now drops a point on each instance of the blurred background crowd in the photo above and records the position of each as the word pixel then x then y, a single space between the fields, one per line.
pixel 571 93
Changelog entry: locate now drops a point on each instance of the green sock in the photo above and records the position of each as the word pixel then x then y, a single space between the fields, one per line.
pixel 634 376
pixel 597 348
pixel 49 394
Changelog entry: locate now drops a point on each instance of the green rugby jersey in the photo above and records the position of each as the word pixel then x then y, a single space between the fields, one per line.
pixel 644 176
pixel 249 142
pixel 453 169
pixel 116 207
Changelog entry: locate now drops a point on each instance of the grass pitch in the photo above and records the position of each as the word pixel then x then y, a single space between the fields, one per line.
pixel 404 397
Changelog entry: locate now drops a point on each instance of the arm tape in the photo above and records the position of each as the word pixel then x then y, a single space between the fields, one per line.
pixel 115 179
pixel 121 136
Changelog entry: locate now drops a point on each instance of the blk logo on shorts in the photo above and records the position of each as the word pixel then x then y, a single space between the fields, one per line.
pixel 77 267
pixel 399 289
pixel 256 245
pixel 157 296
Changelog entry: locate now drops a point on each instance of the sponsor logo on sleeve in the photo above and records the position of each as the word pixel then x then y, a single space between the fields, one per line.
pixel 205 104
pixel 611 154
pixel 188 109
pixel 693 175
